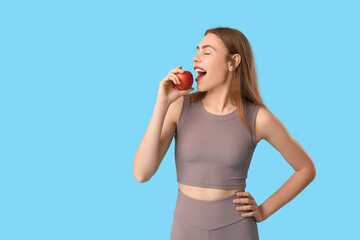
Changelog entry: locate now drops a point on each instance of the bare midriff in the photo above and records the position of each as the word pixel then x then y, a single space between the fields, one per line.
pixel 207 194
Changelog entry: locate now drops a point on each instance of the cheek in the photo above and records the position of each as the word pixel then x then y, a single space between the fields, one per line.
pixel 217 75
pixel 217 67
pixel 217 71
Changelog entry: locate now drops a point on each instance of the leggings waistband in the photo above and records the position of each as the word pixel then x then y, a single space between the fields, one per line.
pixel 207 214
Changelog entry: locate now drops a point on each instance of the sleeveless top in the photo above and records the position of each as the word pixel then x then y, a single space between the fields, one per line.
pixel 213 150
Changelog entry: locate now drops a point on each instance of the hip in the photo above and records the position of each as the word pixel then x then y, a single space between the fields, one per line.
pixel 208 214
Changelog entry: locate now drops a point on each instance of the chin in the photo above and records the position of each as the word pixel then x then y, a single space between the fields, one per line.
pixel 200 89
pixel 203 88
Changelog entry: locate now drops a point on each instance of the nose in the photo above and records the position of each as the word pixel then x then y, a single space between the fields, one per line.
pixel 195 59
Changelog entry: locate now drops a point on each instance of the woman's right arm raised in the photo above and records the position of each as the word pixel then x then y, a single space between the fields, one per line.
pixel 160 131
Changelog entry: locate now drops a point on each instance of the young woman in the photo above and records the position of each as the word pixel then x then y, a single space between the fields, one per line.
pixel 216 131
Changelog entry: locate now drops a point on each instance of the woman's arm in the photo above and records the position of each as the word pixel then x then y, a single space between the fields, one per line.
pixel 157 139
pixel 270 128
pixel 146 160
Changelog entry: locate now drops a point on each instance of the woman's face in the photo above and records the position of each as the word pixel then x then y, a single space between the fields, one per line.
pixel 213 60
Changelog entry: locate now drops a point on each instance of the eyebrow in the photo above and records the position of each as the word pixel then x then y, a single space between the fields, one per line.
pixel 197 48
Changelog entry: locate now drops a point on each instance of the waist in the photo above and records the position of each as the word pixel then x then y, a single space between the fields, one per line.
pixel 207 194
pixel 207 214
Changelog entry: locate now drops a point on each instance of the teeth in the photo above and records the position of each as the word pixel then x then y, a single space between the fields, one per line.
pixel 199 70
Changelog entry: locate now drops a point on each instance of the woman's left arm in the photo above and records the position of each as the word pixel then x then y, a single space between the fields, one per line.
pixel 270 128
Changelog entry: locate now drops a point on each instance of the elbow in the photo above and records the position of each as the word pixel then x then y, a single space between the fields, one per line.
pixel 140 177
pixel 311 173
pixel 140 174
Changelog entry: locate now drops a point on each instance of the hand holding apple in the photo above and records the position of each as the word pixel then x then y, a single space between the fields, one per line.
pixel 170 87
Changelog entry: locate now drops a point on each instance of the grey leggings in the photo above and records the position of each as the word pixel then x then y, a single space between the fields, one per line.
pixel 211 220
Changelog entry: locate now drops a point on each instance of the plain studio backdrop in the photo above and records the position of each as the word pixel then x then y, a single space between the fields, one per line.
pixel 79 82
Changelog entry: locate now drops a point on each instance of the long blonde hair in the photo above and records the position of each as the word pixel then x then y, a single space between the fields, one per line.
pixel 244 86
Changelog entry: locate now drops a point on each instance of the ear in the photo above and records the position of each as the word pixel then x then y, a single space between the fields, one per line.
pixel 235 61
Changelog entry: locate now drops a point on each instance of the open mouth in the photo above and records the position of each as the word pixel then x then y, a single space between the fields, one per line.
pixel 200 74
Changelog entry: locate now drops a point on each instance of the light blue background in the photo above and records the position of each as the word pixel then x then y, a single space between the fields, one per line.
pixel 79 82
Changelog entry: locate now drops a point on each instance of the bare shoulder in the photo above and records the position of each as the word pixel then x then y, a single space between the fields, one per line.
pixel 175 110
pixel 269 127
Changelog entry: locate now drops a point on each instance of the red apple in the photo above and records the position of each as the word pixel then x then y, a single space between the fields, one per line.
pixel 186 80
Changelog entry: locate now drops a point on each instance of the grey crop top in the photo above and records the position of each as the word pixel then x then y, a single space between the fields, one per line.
pixel 213 150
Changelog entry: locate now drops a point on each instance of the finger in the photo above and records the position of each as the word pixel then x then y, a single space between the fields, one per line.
pixel 176 77
pixel 244 194
pixel 249 214
pixel 170 79
pixel 186 91
pixel 245 208
pixel 176 70
pixel 243 200
pixel 174 80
